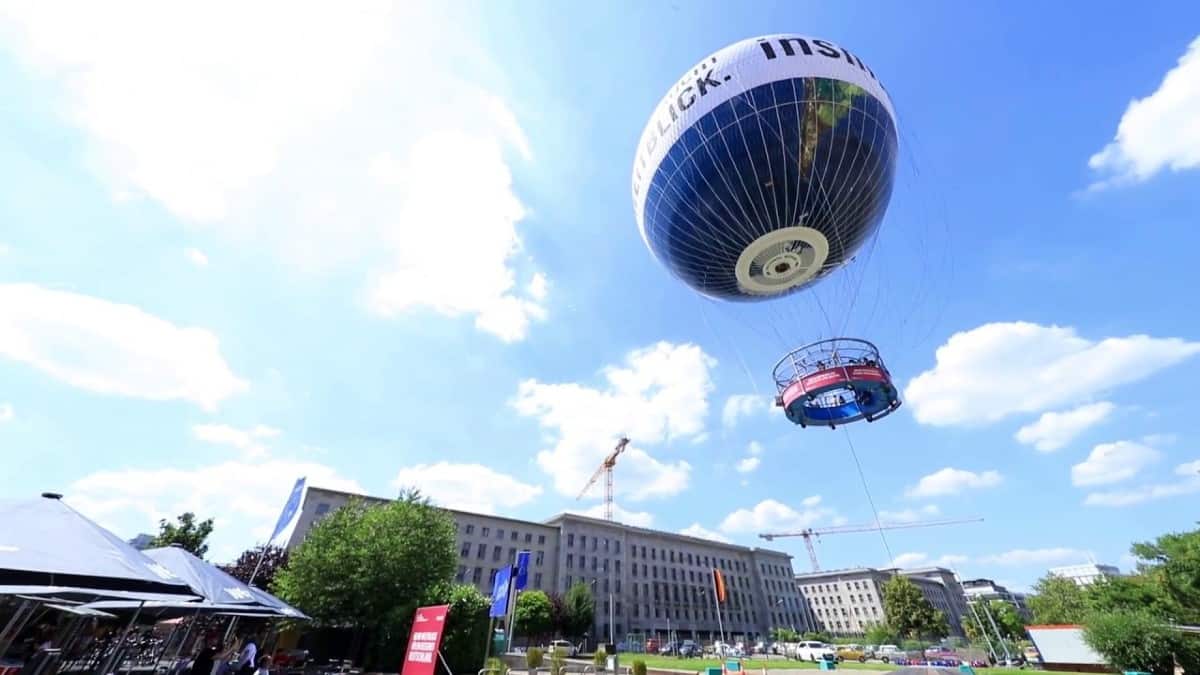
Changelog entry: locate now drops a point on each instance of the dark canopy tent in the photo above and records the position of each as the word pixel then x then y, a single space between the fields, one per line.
pixel 278 605
pixel 206 579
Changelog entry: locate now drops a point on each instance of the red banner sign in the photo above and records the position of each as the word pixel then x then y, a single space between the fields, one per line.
pixel 424 641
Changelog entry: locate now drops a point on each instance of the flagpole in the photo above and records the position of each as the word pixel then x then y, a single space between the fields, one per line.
pixel 717 602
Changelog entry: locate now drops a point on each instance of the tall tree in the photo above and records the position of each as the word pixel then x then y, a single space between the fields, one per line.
pixel 186 532
pixel 580 609
pixel 880 634
pixel 368 567
pixel 534 615
pixel 908 612
pixel 1058 600
pixel 1139 641
pixel 1173 562
pixel 273 559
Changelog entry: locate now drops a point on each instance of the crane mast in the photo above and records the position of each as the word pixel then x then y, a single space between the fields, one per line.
pixel 606 469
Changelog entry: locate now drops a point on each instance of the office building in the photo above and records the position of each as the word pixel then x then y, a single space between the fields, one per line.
pixel 1086 574
pixel 988 590
pixel 656 581
pixel 848 602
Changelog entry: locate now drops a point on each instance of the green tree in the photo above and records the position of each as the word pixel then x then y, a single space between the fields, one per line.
pixel 1058 600
pixel 187 532
pixel 579 610
pixel 1008 620
pixel 1173 563
pixel 908 612
pixel 534 614
pixel 273 559
pixel 784 634
pixel 1137 640
pixel 369 567
pixel 465 637
pixel 880 634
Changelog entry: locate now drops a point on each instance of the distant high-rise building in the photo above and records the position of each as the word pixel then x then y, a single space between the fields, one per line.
pixel 848 602
pixel 1088 573
pixel 142 541
pixel 988 590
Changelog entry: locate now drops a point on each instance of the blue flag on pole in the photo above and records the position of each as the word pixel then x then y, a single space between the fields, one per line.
pixel 522 570
pixel 289 509
pixel 500 593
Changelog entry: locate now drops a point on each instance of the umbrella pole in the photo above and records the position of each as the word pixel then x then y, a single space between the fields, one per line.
pixel 15 625
pixel 167 644
pixel 191 624
pixel 110 662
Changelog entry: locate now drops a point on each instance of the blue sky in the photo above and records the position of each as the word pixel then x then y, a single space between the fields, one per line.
pixel 396 246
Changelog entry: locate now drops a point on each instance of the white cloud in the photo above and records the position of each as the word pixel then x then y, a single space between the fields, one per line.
pixel 1113 463
pixel 1037 556
pixel 909 515
pixel 197 257
pixel 742 405
pixel 924 560
pixel 469 487
pixel 111 348
pixel 315 154
pixel 4 249
pixel 1189 483
pixel 951 481
pixel 1157 132
pixel 245 498
pixel 249 441
pixel 700 532
pixel 6 413
pixel 620 515
pixel 748 464
pixel 772 516
pixel 1001 369
pixel 1053 430
pixel 659 394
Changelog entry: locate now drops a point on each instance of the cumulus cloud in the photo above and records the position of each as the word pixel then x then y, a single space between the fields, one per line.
pixel 924 560
pixel 249 441
pixel 773 516
pixel 1113 463
pixel 1053 430
pixel 468 487
pixel 659 394
pixel 110 348
pixel 700 532
pixel 6 413
pixel 951 481
pixel 314 154
pixel 1037 556
pixel 1188 483
pixel 748 464
pixel 1002 369
pixel 196 257
pixel 1157 132
pixel 243 497
pixel 620 515
pixel 910 515
pixel 742 405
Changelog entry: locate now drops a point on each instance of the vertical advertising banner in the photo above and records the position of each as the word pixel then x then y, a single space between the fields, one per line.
pixel 500 593
pixel 289 510
pixel 719 584
pixel 522 579
pixel 422 655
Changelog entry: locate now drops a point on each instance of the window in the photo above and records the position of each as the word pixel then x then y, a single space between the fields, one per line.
pixel 570 540
pixel 635 610
pixel 595 543
pixel 618 607
pixel 499 533
pixel 466 549
pixel 633 569
pixel 570 560
pixel 537 580
pixel 514 536
pixel 654 554
pixel 643 569
pixel 617 566
pixel 582 562
pixel 462 573
pixel 322 509
pixel 606 544
pixel 655 570
pixel 492 577
pixel 541 538
pixel 605 585
pixel 593 561
pixel 692 576
pixel 583 541
pixel 673 575
pixel 481 552
pixel 528 538
pixel 512 554
pixel 569 579
pixel 672 556
pixel 539 558
pixel 476 574
pixel 470 529
pixel 617 546
pixel 618 586
pixel 496 551
pixel 486 531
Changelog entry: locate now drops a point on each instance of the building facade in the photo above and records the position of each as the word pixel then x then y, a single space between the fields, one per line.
pixel 848 602
pixel 644 581
pixel 988 590
pixel 1086 574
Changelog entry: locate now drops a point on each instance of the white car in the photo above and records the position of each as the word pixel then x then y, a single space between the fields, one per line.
pixel 888 653
pixel 567 649
pixel 813 651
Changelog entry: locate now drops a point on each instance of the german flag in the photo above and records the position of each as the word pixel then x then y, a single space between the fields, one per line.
pixel 719 584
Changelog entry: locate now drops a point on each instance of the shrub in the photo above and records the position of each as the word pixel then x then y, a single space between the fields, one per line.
pixel 533 658
pixel 558 662
pixel 497 666
pixel 599 659
pixel 639 667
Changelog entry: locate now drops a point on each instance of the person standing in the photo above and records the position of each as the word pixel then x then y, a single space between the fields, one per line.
pixel 203 663
pixel 248 659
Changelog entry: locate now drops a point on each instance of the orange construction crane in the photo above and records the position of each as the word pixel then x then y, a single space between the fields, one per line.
pixel 809 533
pixel 606 468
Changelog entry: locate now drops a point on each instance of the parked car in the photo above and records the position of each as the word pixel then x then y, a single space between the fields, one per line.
pixel 563 647
pixel 688 649
pixel 851 653
pixel 813 651
pixel 668 648
pixel 889 653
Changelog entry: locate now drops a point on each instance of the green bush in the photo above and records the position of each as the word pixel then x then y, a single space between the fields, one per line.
pixel 639 667
pixel 1140 641
pixel 558 662
pixel 533 658
pixel 497 666
pixel 599 659
pixel 912 645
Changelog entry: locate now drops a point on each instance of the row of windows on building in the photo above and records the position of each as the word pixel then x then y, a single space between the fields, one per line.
pixel 539 557
pixel 651 553
pixel 841 611
pixel 837 599
pixel 775 570
pixel 834 587
pixel 486 531
pixel 477 576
